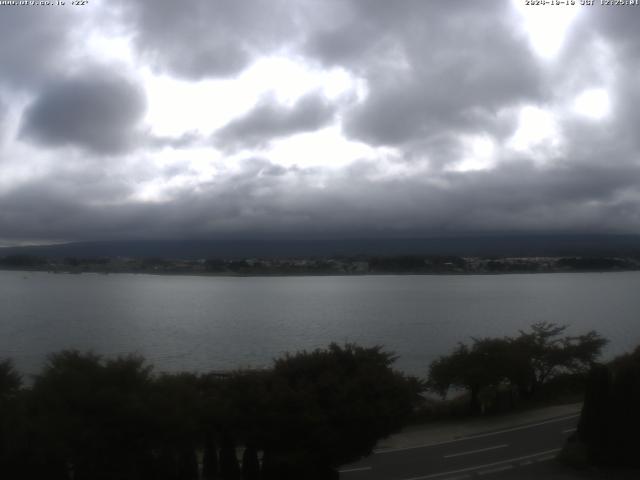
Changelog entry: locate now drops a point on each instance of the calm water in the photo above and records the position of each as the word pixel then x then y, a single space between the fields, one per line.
pixel 203 323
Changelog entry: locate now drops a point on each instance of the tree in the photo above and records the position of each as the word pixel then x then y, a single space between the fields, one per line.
pixel 22 261
pixel 593 426
pixel 525 362
pixel 86 417
pixel 209 458
pixel 610 419
pixel 11 417
pixel 10 380
pixel 229 466
pixel 176 408
pixel 330 406
pixel 482 365
pixel 250 463
pixel 547 354
pixel 92 416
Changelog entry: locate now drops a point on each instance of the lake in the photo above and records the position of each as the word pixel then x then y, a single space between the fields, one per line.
pixel 219 323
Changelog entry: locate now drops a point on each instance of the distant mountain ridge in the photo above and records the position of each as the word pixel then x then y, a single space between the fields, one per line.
pixel 489 245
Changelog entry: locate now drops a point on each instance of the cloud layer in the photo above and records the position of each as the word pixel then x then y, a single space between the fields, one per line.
pixel 96 111
pixel 323 119
pixel 268 121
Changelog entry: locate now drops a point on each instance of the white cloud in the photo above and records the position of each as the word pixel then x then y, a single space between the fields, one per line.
pixel 179 106
pixel 538 133
pixel 323 148
pixel 546 25
pixel 479 154
pixel 593 103
pixel 433 113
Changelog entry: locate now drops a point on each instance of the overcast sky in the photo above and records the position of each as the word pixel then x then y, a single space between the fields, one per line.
pixel 317 118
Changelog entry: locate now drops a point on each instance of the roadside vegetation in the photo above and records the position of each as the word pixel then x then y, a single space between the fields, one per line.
pixel 543 365
pixel 500 374
pixel 87 417
pixel 607 434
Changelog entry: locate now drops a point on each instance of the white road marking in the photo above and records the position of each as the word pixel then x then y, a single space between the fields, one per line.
pixel 475 451
pixel 546 458
pixel 569 430
pixel 480 435
pixel 486 465
pixel 359 469
pixel 495 470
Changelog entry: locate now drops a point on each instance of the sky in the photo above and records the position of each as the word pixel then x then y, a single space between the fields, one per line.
pixel 256 119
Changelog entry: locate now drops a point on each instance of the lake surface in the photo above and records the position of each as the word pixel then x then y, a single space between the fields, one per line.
pixel 218 323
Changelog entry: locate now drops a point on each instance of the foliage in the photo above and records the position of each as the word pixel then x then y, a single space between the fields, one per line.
pixel 593 263
pixel 87 417
pixel 523 363
pixel 549 354
pixel 93 414
pixel 485 364
pixel 336 403
pixel 415 264
pixel 21 261
pixel 610 418
pixel 10 380
pixel 10 417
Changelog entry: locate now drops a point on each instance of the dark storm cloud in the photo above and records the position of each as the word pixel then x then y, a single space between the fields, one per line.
pixel 34 44
pixel 616 25
pixel 356 32
pixel 261 198
pixel 270 120
pixel 97 111
pixel 434 72
pixel 602 52
pixel 206 38
pixel 432 67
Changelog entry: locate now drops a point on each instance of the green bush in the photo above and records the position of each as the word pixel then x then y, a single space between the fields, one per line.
pixel 87 417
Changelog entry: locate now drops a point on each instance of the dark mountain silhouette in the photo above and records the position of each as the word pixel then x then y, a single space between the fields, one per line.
pixel 485 245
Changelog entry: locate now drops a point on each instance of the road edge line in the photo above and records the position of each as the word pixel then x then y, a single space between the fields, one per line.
pixel 486 465
pixel 479 435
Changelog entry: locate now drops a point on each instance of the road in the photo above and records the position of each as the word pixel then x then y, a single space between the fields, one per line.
pixel 475 456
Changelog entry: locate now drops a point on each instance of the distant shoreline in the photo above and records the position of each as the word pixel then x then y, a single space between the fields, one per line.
pixel 307 274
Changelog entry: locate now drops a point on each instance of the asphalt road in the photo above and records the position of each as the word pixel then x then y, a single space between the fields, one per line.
pixel 477 456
